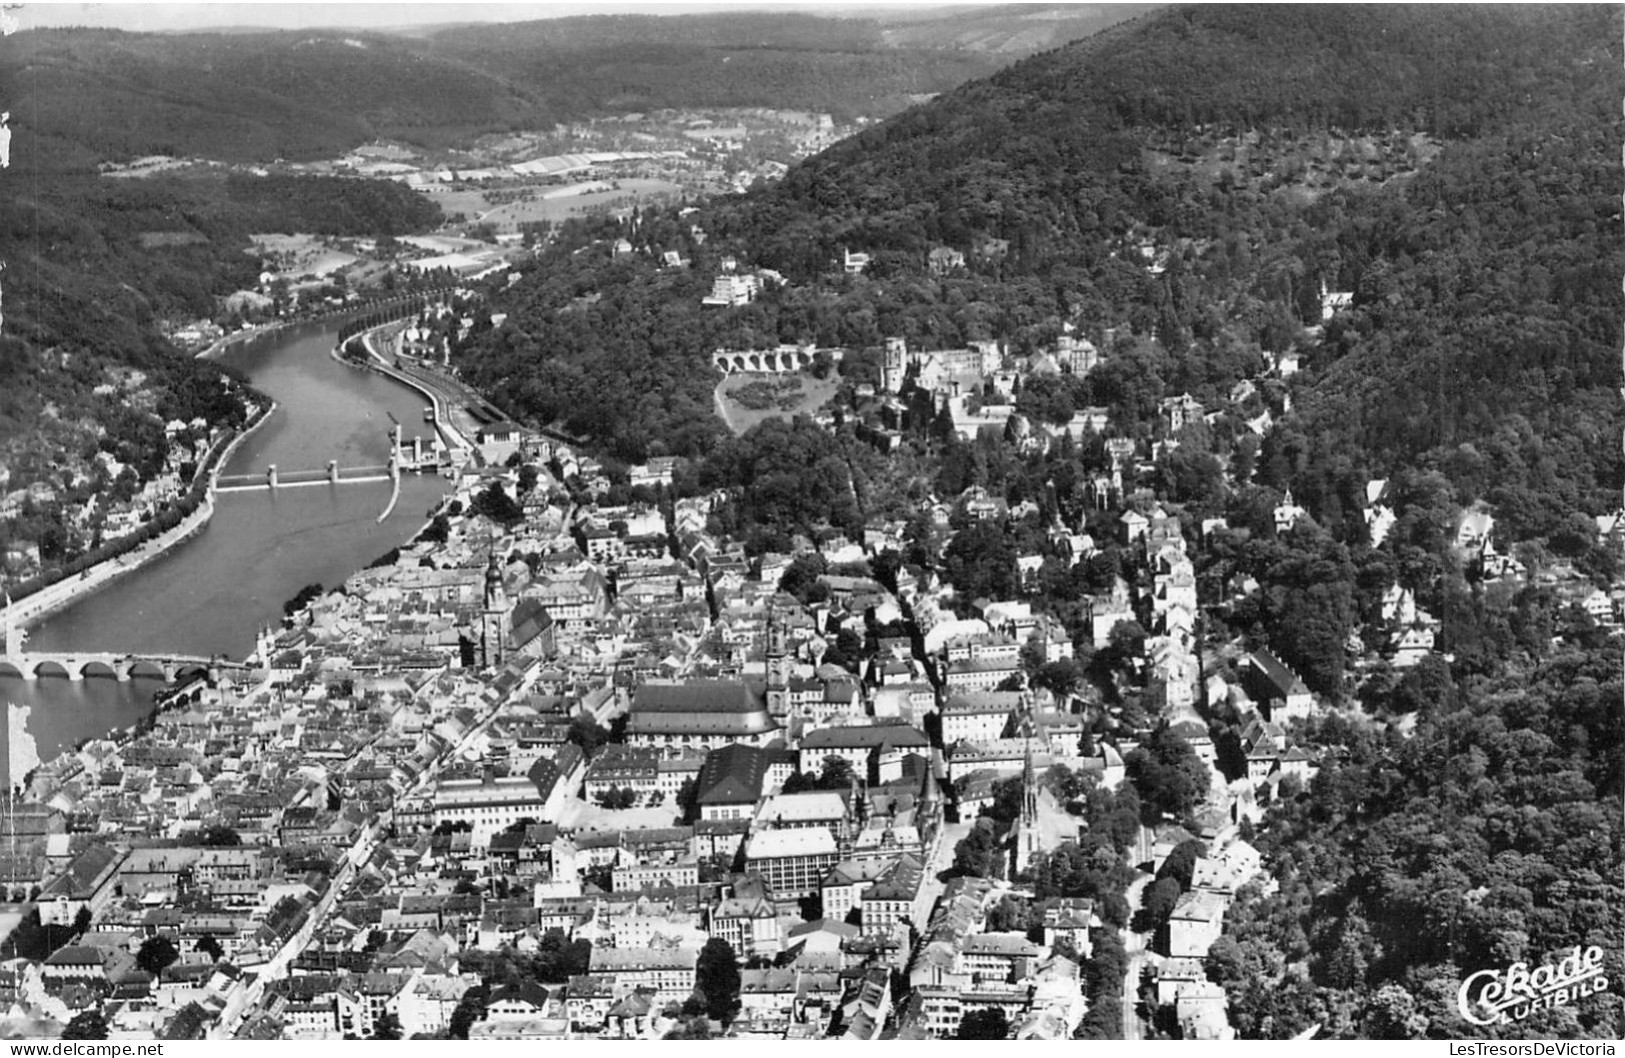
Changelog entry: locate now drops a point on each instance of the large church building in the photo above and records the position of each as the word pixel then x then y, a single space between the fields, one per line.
pixel 700 713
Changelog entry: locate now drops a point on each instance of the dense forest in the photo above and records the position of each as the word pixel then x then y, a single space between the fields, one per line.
pixel 608 350
pixel 84 97
pixel 619 63
pixel 1490 836
pixel 92 264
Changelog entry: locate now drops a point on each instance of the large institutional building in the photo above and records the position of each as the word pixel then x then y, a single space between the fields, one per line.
pixel 700 713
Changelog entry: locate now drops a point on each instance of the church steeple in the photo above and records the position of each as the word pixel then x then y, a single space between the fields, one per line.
pixel 493 576
pixel 1026 835
pixel 778 667
pixel 494 616
pixel 1029 787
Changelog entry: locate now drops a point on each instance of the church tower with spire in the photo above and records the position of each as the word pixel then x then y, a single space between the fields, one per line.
pixel 1026 840
pixel 1024 836
pixel 493 616
pixel 778 668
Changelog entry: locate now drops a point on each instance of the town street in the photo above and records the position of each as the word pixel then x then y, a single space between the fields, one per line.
pixel 1137 946
pixel 942 858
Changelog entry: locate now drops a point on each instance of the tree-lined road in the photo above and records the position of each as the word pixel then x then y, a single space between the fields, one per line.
pixel 1137 946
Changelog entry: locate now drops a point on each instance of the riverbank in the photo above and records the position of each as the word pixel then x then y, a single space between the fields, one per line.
pixel 218 348
pixel 450 436
pixel 442 419
pixel 64 593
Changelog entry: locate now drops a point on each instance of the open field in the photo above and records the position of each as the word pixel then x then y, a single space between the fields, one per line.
pixel 469 201
pixel 563 201
pixel 444 243
pixel 302 256
pixel 791 395
pixel 561 206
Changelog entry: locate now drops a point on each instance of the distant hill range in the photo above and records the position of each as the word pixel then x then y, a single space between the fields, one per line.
pixel 1012 30
pixel 84 96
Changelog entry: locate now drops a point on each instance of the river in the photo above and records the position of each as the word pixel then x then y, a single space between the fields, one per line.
pixel 211 595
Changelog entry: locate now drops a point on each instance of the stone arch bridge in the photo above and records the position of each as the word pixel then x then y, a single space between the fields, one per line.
pixel 110 666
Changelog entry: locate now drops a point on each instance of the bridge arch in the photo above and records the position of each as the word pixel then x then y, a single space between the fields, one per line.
pixel 101 669
pixel 186 670
pixel 9 669
pixel 51 668
pixel 150 670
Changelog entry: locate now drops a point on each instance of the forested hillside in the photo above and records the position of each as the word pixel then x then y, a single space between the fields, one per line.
pixel 1488 837
pixel 84 97
pixel 1477 291
pixel 92 263
pixel 1484 312
pixel 1181 190
pixel 1048 152
pixel 617 63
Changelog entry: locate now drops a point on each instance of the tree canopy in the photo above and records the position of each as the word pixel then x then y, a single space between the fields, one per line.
pixel 716 979
pixel 989 1024
pixel 86 1025
pixel 156 954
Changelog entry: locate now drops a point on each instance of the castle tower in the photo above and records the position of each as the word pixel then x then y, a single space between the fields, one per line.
pixel 894 365
pixel 264 647
pixel 1121 450
pixel 778 668
pixel 493 617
